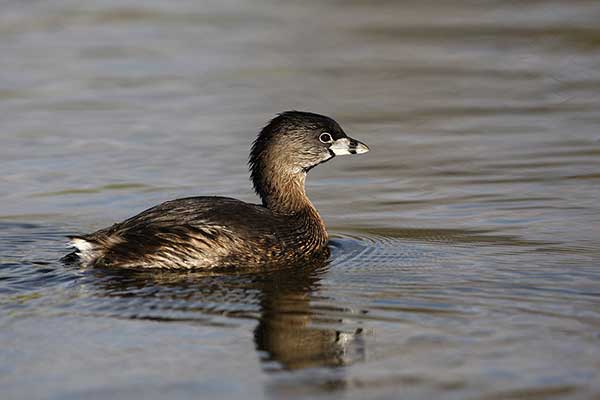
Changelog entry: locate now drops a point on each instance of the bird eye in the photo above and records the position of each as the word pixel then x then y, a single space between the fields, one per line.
pixel 325 138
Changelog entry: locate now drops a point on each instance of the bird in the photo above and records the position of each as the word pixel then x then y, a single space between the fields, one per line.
pixel 212 232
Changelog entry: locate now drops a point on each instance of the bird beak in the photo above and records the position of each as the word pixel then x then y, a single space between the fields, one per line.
pixel 348 145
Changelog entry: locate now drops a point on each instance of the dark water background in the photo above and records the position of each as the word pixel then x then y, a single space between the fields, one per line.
pixel 466 250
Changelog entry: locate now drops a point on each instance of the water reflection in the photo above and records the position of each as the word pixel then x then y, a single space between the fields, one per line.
pixel 293 331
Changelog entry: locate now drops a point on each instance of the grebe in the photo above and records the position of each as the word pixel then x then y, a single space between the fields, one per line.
pixel 221 232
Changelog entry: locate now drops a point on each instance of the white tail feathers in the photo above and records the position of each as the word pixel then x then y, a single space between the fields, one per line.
pixel 85 250
pixel 81 245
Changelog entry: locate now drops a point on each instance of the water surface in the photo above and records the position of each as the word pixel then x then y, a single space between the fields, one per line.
pixel 465 246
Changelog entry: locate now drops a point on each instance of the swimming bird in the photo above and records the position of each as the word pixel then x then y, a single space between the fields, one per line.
pixel 221 232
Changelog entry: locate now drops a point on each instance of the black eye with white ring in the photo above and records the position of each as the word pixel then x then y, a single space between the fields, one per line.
pixel 325 137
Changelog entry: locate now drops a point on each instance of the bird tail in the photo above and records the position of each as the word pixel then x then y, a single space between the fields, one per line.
pixel 86 250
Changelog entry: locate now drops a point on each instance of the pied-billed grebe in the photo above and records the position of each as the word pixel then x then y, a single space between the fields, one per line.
pixel 221 232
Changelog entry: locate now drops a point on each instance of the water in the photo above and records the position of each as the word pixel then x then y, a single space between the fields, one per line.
pixel 466 245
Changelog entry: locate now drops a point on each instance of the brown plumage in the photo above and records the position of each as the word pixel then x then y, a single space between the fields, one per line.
pixel 220 232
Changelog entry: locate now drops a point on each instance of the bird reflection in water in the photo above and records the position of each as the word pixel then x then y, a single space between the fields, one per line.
pixel 297 327
pixel 294 333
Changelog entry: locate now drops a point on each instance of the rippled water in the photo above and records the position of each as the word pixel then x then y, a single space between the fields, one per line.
pixel 466 246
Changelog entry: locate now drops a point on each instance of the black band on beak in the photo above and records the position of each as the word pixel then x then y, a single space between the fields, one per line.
pixel 352 146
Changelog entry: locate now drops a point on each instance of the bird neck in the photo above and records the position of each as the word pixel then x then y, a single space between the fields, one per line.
pixel 284 192
pixel 281 187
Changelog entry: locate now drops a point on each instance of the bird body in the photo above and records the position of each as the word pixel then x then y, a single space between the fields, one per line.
pixel 204 232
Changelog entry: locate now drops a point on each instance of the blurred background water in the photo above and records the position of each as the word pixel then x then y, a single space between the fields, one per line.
pixel 466 245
